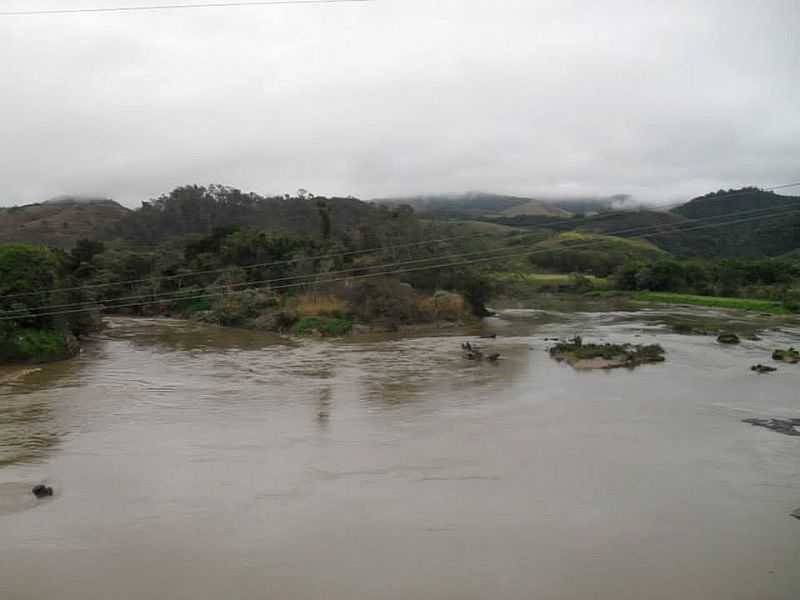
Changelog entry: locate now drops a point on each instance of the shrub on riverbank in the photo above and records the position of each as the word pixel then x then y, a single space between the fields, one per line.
pixel 445 306
pixel 325 327
pixel 22 345
pixel 320 305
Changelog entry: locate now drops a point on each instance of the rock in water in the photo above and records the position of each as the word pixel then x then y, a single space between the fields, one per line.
pixel 790 356
pixel 796 514
pixel 784 426
pixel 728 338
pixel 42 491
pixel 763 369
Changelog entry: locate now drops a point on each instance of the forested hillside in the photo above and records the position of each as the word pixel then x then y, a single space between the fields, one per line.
pixel 473 205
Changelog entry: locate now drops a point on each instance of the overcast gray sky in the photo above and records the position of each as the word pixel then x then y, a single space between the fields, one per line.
pixel 661 100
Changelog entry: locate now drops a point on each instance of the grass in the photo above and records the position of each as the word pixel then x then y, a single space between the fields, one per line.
pixel 750 304
pixel 324 326
pixel 543 278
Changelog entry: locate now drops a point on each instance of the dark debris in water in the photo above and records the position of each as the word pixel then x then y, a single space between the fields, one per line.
pixel 784 426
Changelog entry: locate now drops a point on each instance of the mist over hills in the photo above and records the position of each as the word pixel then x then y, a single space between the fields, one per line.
pixel 769 224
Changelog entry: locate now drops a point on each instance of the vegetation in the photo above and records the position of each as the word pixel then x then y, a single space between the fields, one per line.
pixel 312 264
pixel 574 252
pixel 790 356
pixel 36 345
pixel 728 338
pixel 29 285
pixel 477 205
pixel 605 356
pixel 60 222
pixel 769 285
pixel 323 326
pixel 749 304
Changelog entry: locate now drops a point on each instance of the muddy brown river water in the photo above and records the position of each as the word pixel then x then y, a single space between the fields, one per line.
pixel 198 463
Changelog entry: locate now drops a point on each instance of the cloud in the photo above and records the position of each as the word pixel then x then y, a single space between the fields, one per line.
pixel 661 100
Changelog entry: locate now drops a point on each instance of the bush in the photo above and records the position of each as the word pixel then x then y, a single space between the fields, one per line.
pixel 323 326
pixel 382 299
pixel 240 307
pixel 442 305
pixel 36 345
pixel 318 305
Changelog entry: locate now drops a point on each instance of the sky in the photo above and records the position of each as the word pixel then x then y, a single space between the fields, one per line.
pixel 663 100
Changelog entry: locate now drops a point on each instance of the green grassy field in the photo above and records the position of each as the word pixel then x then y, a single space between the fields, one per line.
pixel 543 278
pixel 751 304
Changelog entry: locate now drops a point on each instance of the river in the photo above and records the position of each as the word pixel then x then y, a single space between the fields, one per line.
pixel 191 462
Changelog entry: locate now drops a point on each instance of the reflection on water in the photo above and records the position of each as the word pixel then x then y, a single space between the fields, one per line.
pixel 198 462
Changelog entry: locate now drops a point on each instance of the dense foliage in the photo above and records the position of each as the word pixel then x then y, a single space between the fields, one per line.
pixel 34 280
pixel 767 279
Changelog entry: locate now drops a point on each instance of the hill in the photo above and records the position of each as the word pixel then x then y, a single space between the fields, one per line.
pixel 746 223
pixel 754 223
pixel 200 210
pixel 590 253
pixel 60 222
pixel 475 205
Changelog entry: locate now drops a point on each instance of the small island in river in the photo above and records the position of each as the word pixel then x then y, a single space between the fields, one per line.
pixel 579 355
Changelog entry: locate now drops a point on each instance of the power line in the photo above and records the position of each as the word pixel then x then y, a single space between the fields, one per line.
pixel 484 259
pixel 374 250
pixel 158 7
pixel 180 294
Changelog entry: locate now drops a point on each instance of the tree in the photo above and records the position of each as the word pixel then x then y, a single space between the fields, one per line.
pixel 28 275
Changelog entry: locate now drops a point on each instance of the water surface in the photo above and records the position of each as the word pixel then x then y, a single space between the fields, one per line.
pixel 202 463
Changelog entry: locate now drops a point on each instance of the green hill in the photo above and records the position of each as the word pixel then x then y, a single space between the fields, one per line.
pixel 60 222
pixel 753 223
pixel 476 205
pixel 590 253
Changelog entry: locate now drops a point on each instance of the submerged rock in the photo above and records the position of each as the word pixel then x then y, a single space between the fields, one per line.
pixel 763 369
pixel 796 514
pixel 728 338
pixel 784 426
pixel 580 355
pixel 790 356
pixel 683 328
pixel 42 491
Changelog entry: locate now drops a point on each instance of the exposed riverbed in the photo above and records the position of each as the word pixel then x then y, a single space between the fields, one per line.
pixel 202 463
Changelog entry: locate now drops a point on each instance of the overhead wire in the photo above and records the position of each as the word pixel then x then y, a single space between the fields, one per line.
pixel 163 7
